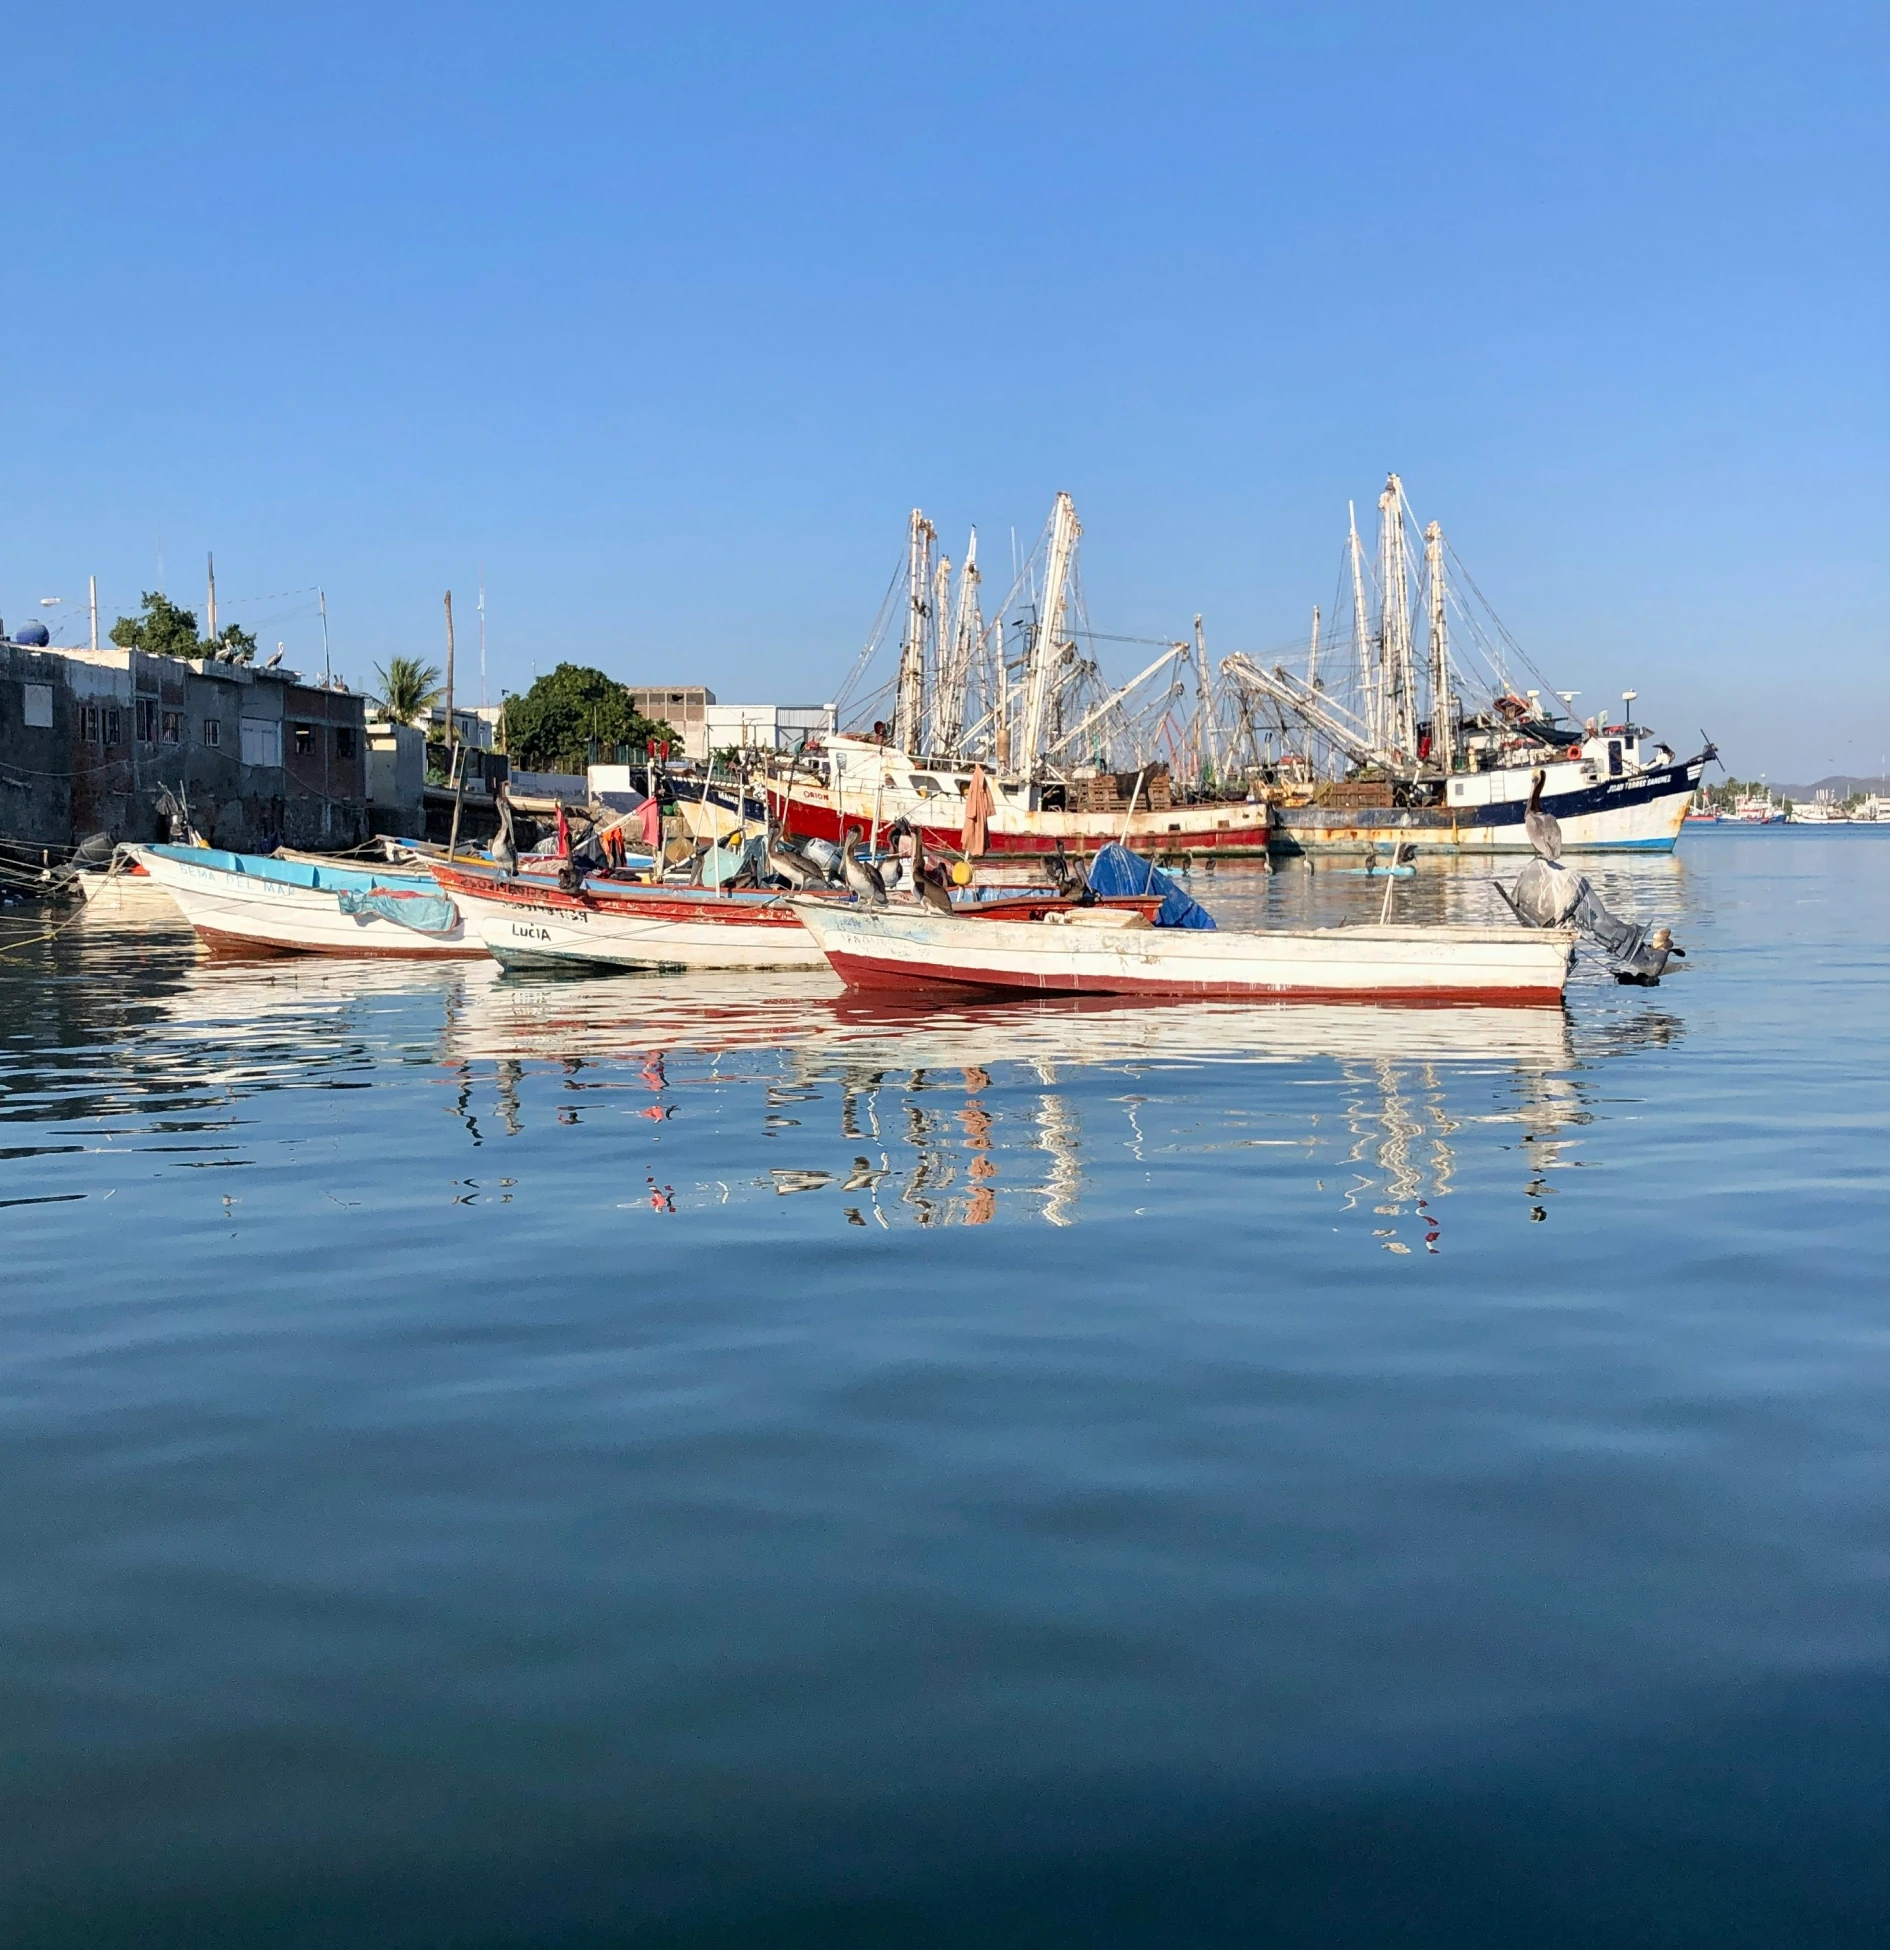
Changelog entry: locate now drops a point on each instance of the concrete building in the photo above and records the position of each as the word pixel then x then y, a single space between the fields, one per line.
pixel 89 738
pixel 750 727
pixel 678 705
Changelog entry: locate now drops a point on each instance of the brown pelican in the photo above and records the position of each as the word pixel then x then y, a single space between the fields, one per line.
pixel 786 863
pixel 504 848
pixel 861 876
pixel 1545 832
pixel 928 882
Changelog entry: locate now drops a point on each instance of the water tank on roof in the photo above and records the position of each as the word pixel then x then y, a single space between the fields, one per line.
pixel 32 634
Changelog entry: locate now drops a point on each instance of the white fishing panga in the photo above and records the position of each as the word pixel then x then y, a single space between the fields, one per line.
pixel 1104 953
pixel 252 901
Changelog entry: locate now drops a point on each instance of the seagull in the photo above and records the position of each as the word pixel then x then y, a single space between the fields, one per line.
pixel 1544 830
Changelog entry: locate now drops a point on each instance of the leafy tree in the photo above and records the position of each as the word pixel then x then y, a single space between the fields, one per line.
pixel 163 630
pixel 409 688
pixel 572 713
pixel 166 629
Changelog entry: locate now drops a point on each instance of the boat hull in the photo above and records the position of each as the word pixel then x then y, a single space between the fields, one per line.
pixel 252 914
pixel 530 926
pixel 1639 814
pixel 876 948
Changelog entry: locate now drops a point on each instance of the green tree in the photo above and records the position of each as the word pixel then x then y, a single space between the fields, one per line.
pixel 572 713
pixel 409 688
pixel 163 630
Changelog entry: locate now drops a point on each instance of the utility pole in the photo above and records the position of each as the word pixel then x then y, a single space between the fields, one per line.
pixel 210 604
pixel 449 678
pixel 94 581
pixel 321 603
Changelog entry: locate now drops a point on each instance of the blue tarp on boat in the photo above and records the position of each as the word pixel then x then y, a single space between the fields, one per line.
pixel 1115 870
pixel 295 873
pixel 426 913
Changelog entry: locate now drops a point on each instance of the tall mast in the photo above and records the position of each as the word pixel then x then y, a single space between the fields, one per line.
pixel 1046 644
pixel 449 681
pixel 1395 620
pixel 94 586
pixel 909 705
pixel 958 647
pixel 210 597
pixel 1369 674
pixel 1312 653
pixel 1204 704
pixel 1443 706
pixel 937 630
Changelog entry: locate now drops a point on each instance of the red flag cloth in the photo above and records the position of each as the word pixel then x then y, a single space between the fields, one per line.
pixel 650 813
pixel 564 836
pixel 978 810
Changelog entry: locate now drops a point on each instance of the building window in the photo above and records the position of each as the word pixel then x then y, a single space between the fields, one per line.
pixel 213 731
pixel 88 723
pixel 305 741
pixel 113 727
pixel 147 720
pixel 262 742
pixel 344 741
pixel 173 727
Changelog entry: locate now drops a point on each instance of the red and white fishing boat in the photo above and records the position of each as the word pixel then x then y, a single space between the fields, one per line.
pixel 1094 952
pixel 621 924
pixel 988 753
pixel 853 785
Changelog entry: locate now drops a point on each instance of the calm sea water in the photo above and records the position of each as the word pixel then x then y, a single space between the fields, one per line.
pixel 496 1463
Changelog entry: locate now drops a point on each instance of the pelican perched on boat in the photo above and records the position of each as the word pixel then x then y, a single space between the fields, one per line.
pixel 1543 828
pixel 504 848
pixel 861 876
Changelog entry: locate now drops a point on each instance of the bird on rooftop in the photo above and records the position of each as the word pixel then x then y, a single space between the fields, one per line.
pixel 272 662
pixel 1543 828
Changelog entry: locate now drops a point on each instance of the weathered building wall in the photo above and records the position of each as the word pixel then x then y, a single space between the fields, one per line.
pixel 260 758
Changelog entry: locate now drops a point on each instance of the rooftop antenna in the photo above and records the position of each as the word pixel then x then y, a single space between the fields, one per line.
pixel 210 597
pixel 321 603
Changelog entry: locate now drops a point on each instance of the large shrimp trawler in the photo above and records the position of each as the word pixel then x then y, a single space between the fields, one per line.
pixel 1003 737
pixel 1394 741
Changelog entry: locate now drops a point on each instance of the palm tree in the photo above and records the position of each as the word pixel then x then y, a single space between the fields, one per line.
pixel 409 688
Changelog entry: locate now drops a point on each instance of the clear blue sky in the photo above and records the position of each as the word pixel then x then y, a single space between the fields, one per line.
pixel 668 316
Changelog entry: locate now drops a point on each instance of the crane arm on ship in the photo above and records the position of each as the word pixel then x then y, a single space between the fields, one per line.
pixel 1115 697
pixel 1320 713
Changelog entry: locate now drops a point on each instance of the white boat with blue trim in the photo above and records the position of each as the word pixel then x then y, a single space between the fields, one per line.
pixel 253 902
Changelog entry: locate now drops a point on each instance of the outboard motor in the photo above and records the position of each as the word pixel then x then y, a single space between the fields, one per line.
pixel 1549 895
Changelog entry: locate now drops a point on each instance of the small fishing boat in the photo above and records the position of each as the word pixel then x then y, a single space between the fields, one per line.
pixel 1093 951
pixel 608 923
pixel 249 901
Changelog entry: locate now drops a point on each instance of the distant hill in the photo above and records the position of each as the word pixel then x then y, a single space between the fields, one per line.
pixel 1840 785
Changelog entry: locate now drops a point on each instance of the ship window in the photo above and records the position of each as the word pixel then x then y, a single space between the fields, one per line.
pixel 1614 758
pixel 925 785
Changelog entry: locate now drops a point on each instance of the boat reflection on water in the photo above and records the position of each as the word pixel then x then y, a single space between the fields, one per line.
pixel 965 1114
